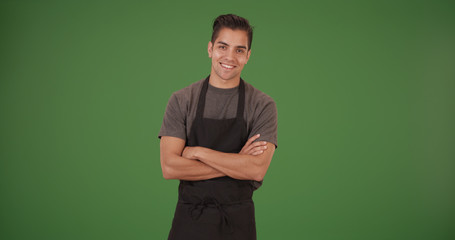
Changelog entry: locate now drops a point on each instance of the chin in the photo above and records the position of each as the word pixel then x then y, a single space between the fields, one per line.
pixel 225 76
pixel 228 78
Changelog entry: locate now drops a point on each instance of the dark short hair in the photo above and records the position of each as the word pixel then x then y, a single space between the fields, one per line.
pixel 233 22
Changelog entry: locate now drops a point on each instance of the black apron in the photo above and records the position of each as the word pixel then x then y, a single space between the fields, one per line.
pixel 218 208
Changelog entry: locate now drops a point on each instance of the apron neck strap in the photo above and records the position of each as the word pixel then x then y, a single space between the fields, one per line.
pixel 241 102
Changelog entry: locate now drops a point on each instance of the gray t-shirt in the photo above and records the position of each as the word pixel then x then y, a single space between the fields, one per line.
pixel 260 111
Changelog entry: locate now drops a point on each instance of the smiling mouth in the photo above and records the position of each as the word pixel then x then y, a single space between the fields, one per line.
pixel 227 66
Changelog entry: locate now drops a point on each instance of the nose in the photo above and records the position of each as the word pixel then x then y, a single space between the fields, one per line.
pixel 230 54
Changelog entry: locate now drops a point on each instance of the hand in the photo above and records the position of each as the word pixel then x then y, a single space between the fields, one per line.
pixel 189 153
pixel 254 148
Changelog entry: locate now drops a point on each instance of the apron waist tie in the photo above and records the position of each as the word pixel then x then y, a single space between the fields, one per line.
pixel 197 209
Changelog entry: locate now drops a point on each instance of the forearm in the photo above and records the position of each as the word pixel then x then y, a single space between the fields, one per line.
pixel 177 167
pixel 238 166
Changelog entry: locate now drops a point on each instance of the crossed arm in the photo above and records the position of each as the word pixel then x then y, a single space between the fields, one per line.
pixel 199 163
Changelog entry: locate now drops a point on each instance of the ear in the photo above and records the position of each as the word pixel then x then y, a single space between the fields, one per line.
pixel 248 56
pixel 210 48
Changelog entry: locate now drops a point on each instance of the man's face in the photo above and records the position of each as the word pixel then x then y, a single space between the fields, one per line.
pixel 229 53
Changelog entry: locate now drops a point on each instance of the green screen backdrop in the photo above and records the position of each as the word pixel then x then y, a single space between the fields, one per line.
pixel 364 90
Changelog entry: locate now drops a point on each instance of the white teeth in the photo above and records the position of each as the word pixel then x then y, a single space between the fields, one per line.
pixel 227 66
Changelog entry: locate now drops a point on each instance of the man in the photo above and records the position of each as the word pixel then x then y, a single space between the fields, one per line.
pixel 218 137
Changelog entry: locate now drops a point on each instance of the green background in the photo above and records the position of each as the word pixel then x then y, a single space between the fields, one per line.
pixel 364 90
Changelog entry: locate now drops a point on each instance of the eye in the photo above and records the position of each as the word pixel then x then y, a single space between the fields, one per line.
pixel 222 47
pixel 240 51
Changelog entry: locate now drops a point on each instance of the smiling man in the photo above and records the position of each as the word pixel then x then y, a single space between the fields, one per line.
pixel 218 137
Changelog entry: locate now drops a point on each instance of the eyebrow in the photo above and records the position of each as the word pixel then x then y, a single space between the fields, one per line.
pixel 240 46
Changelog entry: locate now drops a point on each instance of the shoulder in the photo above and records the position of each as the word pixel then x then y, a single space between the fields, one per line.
pixel 262 114
pixel 258 99
pixel 192 89
pixel 187 94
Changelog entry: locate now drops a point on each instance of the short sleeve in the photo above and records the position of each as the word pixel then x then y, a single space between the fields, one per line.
pixel 265 122
pixel 174 120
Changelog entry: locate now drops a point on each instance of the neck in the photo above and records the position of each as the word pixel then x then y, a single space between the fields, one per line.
pixel 217 82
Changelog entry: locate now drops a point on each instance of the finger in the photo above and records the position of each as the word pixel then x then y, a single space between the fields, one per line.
pixel 252 139
pixel 247 147
pixel 259 143
pixel 250 145
pixel 185 153
pixel 257 149
pixel 257 153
